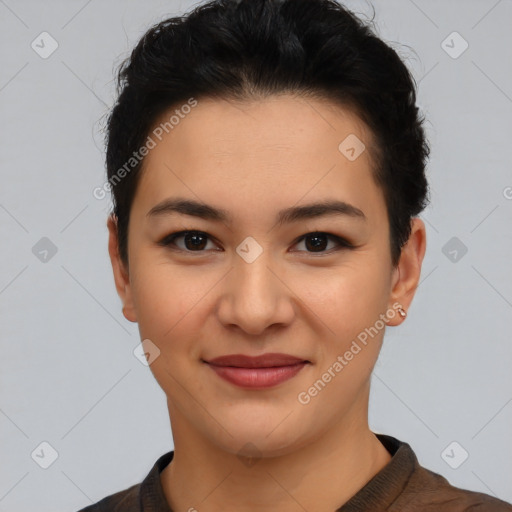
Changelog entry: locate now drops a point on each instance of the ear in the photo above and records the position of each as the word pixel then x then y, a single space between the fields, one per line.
pixel 121 275
pixel 407 274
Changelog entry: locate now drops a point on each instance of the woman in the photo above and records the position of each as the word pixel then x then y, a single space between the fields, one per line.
pixel 267 164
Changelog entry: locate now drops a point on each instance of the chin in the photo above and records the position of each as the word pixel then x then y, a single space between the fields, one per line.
pixel 260 447
pixel 260 439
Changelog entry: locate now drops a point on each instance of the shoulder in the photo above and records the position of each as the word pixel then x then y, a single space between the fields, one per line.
pixel 404 485
pixel 428 491
pixel 122 501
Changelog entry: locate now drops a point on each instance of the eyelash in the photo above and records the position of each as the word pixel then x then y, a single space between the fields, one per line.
pixel 168 241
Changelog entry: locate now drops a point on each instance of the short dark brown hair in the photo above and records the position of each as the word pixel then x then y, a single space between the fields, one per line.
pixel 254 48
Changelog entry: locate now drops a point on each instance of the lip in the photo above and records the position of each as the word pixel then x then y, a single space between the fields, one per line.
pixel 268 360
pixel 257 372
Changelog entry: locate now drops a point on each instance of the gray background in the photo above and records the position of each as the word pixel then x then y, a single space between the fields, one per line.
pixel 68 375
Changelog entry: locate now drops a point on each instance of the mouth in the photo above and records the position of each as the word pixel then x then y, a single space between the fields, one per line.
pixel 262 371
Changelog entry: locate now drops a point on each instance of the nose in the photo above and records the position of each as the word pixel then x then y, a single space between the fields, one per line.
pixel 255 296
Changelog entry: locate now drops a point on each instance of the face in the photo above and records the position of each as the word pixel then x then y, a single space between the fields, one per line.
pixel 263 271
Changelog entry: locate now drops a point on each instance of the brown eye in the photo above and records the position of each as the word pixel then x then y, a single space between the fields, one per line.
pixel 193 241
pixel 318 242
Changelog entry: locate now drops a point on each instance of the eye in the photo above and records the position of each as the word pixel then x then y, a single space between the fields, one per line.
pixel 194 241
pixel 318 241
pixel 197 241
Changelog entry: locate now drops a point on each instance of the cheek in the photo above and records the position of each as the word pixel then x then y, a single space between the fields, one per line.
pixel 347 298
pixel 169 305
pixel 349 303
pixel 164 296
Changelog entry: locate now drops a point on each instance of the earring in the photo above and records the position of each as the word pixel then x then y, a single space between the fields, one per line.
pixel 402 312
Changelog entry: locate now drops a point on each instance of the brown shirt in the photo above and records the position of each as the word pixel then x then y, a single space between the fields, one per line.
pixel 401 486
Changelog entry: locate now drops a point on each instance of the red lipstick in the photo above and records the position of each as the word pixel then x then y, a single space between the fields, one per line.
pixel 257 372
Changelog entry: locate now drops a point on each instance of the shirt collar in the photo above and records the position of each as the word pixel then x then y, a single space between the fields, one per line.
pixel 387 485
pixel 377 494
pixel 152 497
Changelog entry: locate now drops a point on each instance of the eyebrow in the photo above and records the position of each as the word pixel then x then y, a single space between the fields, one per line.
pixel 288 215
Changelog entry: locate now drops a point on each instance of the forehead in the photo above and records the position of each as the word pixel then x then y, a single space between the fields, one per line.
pixel 273 152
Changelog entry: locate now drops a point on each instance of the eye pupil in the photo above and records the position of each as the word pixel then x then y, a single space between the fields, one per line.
pixel 195 239
pixel 318 243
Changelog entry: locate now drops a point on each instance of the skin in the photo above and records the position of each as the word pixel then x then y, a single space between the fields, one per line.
pixel 253 159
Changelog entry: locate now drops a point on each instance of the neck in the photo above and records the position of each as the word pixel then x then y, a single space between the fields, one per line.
pixel 321 475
